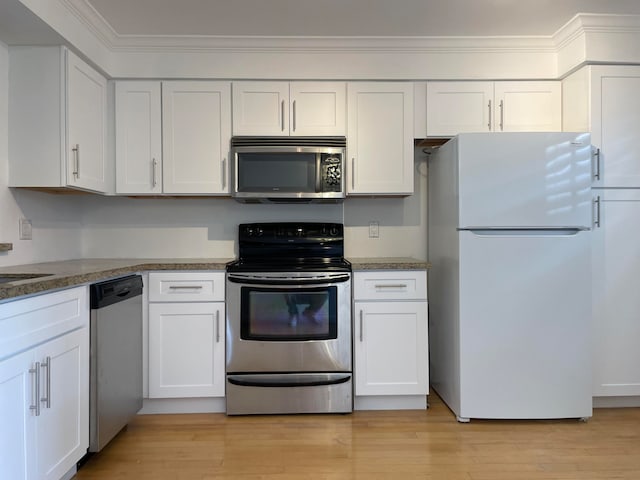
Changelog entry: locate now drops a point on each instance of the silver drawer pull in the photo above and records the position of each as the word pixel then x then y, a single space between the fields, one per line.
pixel 185 287
pixel 392 285
pixel 217 326
pixel 47 398
pixel 36 406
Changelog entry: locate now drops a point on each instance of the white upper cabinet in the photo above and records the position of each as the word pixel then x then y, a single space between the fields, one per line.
pixel 196 135
pixel 138 138
pixel 86 123
pixel 57 121
pixel 605 100
pixel 380 138
pixel 459 107
pixel 284 108
pixel 172 137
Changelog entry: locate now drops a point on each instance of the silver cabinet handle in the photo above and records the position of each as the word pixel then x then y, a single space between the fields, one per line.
pixel 154 167
pixel 282 115
pixel 294 116
pixel 224 173
pixel 501 115
pixel 76 161
pixel 36 405
pixel 596 175
pixel 47 398
pixel 392 285
pixel 489 124
pixel 597 219
pixel 217 326
pixel 353 173
pixel 185 287
pixel 361 326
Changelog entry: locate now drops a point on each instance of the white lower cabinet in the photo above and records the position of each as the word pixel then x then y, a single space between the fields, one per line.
pixel 44 389
pixel 186 334
pixel 616 303
pixel 390 335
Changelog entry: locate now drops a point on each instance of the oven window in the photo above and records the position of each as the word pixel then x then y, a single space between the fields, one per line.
pixel 289 315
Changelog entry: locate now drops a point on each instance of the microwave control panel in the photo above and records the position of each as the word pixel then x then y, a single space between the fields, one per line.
pixel 331 165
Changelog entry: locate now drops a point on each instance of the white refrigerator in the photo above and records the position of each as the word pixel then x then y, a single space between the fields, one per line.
pixel 510 217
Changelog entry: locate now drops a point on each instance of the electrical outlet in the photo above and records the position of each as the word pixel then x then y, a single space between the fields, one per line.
pixel 25 229
pixel 374 229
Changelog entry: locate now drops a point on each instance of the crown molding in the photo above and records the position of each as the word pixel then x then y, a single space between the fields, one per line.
pixel 115 42
pixel 585 38
pixel 586 23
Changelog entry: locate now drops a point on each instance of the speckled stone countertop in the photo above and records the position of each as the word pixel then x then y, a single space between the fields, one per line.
pixel 70 273
pixel 77 272
pixel 388 263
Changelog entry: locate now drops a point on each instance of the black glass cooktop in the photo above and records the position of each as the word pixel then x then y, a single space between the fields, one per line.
pixel 290 246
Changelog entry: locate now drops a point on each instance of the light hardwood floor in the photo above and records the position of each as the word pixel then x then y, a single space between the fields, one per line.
pixel 371 445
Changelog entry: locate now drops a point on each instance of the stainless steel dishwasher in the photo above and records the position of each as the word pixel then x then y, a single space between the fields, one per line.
pixel 116 357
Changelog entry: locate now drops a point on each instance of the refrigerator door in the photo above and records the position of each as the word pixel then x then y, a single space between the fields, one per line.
pixel 524 180
pixel 525 322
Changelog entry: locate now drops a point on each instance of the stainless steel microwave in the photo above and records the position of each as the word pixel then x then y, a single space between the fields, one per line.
pixel 288 169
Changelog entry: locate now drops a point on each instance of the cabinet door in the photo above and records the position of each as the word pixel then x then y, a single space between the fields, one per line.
pixel 528 106
pixel 318 108
pixel 195 137
pixel 390 348
pixel 86 123
pixel 616 303
pixel 380 138
pixel 17 434
pixel 138 138
pixel 63 426
pixel 261 108
pixel 615 123
pixel 186 350
pixel 459 107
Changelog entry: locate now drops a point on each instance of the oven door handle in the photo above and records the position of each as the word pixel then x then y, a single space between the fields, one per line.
pixel 288 281
pixel 289 379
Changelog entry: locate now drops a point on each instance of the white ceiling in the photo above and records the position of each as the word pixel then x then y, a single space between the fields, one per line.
pixel 349 17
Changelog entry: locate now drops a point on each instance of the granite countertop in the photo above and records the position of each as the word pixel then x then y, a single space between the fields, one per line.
pixel 69 273
pixel 388 263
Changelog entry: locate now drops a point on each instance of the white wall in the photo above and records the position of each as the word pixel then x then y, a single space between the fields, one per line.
pixel 56 219
pixel 180 228
pixel 207 227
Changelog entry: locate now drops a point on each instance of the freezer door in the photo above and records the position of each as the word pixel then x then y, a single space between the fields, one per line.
pixel 525 325
pixel 524 180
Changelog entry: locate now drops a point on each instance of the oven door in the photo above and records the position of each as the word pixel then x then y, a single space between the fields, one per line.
pixel 288 322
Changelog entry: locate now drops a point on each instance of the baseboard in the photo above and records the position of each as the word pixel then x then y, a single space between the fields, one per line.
pixel 391 402
pixel 183 405
pixel 616 402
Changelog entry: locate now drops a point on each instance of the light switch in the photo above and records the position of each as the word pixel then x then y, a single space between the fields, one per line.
pixel 25 229
pixel 374 229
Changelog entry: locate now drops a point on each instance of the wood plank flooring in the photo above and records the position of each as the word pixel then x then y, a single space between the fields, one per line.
pixel 371 445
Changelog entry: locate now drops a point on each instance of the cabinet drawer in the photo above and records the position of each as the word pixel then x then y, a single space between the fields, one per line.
pixel 390 285
pixel 186 286
pixel 30 321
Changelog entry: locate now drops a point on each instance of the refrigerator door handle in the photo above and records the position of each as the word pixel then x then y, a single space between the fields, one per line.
pixel 523 231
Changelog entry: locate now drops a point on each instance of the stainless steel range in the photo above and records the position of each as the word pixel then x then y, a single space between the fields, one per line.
pixel 289 321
